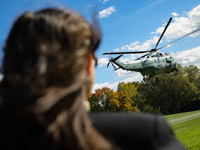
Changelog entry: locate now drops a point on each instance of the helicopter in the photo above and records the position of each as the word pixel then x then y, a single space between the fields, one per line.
pixel 150 64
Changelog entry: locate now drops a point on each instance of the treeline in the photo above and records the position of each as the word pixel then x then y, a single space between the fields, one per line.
pixel 164 93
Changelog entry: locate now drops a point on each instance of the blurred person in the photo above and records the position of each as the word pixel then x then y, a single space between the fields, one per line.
pixel 48 67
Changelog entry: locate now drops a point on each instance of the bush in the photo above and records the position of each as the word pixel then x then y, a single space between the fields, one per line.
pixel 150 109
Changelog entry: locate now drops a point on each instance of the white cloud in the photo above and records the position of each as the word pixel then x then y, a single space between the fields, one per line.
pixel 116 50
pixel 146 45
pixel 102 61
pixel 90 5
pixel 106 84
pixel 182 25
pixel 188 57
pixel 174 14
pixel 103 1
pixel 130 46
pixel 136 77
pixel 107 12
pixel 123 73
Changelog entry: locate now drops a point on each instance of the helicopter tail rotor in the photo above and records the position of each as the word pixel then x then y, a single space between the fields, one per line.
pixel 111 60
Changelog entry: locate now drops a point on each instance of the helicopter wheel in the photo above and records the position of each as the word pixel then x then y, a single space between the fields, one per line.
pixel 144 79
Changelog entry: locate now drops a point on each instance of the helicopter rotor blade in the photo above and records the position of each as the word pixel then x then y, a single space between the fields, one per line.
pixel 108 64
pixel 113 65
pixel 163 32
pixel 113 53
pixel 114 59
pixel 141 57
pixel 179 38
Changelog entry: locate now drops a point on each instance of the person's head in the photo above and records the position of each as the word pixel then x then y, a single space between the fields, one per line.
pixel 48 71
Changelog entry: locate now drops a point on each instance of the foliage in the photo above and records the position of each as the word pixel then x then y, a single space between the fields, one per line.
pixel 193 74
pixel 126 102
pixel 163 93
pixel 129 88
pixel 107 100
pixel 149 109
pixel 168 91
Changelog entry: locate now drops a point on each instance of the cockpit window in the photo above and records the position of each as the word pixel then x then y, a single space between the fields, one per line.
pixel 172 58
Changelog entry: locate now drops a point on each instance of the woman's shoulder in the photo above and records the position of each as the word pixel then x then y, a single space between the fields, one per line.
pixel 140 131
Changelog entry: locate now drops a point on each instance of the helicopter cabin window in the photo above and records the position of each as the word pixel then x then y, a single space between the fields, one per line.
pixel 158 55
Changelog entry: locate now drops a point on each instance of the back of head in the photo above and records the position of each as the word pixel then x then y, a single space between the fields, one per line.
pixel 45 82
pixel 46 49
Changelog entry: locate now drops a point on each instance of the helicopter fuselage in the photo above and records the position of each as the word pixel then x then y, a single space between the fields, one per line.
pixel 151 65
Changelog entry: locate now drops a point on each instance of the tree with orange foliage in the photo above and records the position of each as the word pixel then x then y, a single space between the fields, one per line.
pixel 106 100
pixel 100 99
pixel 126 102
pixel 94 103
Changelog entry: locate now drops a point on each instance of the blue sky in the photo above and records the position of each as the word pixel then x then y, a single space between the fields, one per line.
pixel 126 25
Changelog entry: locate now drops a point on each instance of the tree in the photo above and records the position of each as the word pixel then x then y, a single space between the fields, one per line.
pixel 193 74
pixel 130 89
pixel 167 91
pixel 105 100
pixel 125 102
pixel 114 104
pixel 94 103
pixel 99 100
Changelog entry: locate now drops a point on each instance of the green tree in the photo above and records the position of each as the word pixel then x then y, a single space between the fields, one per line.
pixel 193 74
pixel 167 91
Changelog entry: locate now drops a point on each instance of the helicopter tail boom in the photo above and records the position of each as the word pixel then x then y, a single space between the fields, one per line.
pixel 114 60
pixel 119 64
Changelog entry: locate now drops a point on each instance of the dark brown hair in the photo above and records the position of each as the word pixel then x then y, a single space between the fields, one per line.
pixel 44 83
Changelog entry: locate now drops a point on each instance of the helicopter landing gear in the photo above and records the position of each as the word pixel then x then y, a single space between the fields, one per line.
pixel 144 79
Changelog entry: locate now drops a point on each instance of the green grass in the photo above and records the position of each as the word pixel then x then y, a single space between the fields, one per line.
pixel 186 127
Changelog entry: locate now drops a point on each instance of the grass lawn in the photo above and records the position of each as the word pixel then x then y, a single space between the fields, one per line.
pixel 186 127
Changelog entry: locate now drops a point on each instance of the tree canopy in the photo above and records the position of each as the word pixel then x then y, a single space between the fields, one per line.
pixel 159 94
